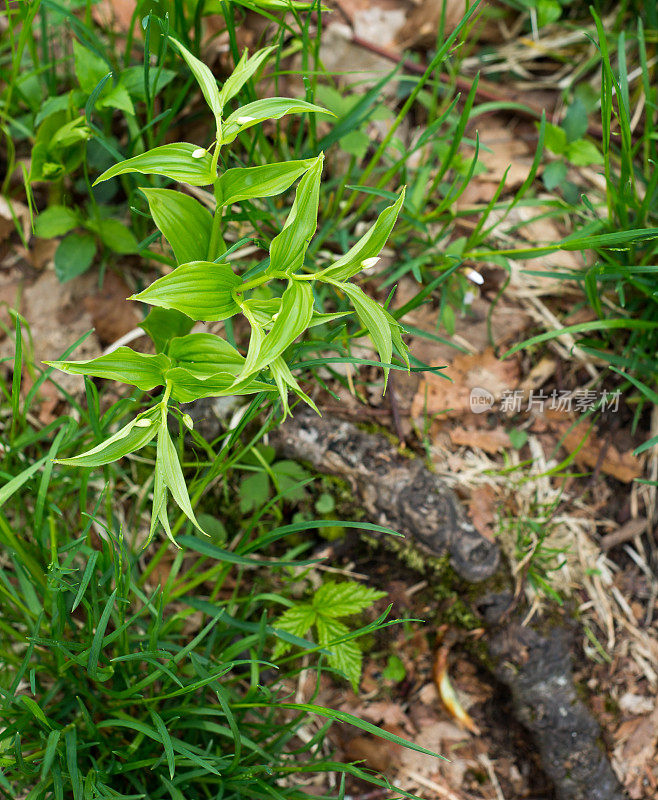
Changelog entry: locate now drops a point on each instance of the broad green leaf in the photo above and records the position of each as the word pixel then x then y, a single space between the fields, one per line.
pixel 117 236
pixel 183 221
pixel 62 102
pixel 285 380
pixel 175 161
pixel 159 512
pixel 172 474
pixel 298 621
pixel 244 69
pixel 204 78
pixel 117 97
pixel 320 318
pixel 201 352
pixel 262 311
pixel 260 110
pixel 90 69
pixel 344 599
pixel 582 153
pixel 132 437
pixel 291 321
pixel 345 656
pixel 188 386
pixel 373 318
pixel 132 79
pixel 74 255
pixel 123 364
pixel 244 183
pixel 289 247
pixel 201 289
pixel 555 139
pixel 164 324
pixel 55 221
pixel 369 245
pixel 396 335
pixel 553 175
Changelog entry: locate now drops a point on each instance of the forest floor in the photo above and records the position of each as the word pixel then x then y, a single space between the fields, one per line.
pixel 511 436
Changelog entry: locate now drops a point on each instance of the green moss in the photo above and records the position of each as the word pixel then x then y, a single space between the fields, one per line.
pixel 445 586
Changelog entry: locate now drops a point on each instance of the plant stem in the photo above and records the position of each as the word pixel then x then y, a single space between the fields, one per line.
pixel 217 244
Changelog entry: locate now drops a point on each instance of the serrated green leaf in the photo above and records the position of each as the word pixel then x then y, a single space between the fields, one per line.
pixel 369 245
pixel 287 475
pixel 172 474
pixel 260 110
pixel 244 69
pixel 183 221
pixel 174 161
pixel 55 221
pixel 201 289
pixel 291 321
pixel 343 599
pixel 289 247
pixel 123 364
pixel 298 621
pixel 345 656
pixel 132 437
pixel 245 183
pixel 204 78
pixel 374 319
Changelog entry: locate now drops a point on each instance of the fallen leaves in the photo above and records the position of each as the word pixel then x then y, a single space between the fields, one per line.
pixel 596 453
pixel 436 395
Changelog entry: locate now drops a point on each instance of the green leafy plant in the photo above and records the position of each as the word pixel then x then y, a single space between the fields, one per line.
pixel 323 614
pixel 205 287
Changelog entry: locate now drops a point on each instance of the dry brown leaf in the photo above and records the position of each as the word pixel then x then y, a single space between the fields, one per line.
pixel 636 751
pixel 491 441
pixel 56 318
pixel 423 22
pixel 112 315
pixel 378 754
pixel 380 712
pixel 116 14
pixel 482 511
pixel 625 467
pixel 7 224
pixel 483 371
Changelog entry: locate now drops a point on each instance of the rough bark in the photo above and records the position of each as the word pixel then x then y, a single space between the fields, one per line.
pixel 533 662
